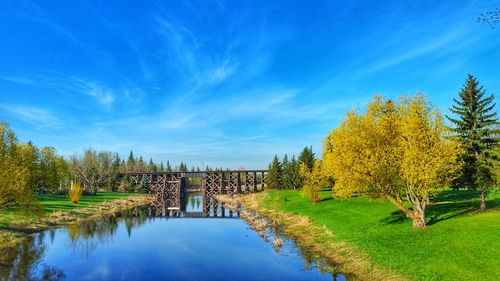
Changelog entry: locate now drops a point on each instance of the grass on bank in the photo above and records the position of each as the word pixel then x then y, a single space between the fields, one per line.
pixel 58 202
pixel 459 243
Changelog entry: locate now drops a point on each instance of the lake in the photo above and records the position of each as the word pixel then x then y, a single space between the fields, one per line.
pixel 141 247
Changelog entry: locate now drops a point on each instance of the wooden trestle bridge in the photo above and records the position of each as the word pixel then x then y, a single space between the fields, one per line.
pixel 170 187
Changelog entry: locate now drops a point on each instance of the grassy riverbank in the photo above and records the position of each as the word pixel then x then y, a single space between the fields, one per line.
pixel 57 210
pixel 51 203
pixel 460 243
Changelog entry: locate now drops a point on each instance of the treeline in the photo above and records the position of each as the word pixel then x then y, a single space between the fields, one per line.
pixel 26 170
pixel 403 151
pixel 286 174
pixel 98 170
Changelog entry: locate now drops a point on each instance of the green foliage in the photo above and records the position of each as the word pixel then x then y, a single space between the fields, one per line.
pixel 291 178
pixel 143 186
pixel 397 151
pixel 458 244
pixel 113 181
pixel 313 180
pixel 151 166
pixel 474 127
pixel 126 185
pixel 183 167
pixel 50 203
pixel 140 166
pixel 14 171
pixel 307 157
pixel 273 178
pixel 130 166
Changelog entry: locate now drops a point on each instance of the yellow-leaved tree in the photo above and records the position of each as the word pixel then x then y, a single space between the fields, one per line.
pixel 313 180
pixel 14 171
pixel 398 151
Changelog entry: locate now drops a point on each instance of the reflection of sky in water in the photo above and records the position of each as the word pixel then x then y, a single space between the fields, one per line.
pixel 174 249
pixel 194 202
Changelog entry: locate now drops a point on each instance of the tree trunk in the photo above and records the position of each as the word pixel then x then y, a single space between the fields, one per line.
pixel 418 219
pixel 483 199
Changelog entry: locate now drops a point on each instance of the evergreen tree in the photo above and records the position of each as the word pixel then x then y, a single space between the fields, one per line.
pixel 183 167
pixel 295 177
pixel 152 167
pixel 131 162
pixel 125 184
pixel 162 168
pixel 141 166
pixel 307 157
pixel 115 167
pixel 143 186
pixel 273 175
pixel 286 174
pixel 474 128
pixel 169 168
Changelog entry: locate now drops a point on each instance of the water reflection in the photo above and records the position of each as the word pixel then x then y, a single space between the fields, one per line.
pixel 193 205
pixel 25 262
pixel 136 246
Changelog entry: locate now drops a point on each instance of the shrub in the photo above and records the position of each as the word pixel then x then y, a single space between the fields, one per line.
pixel 75 192
pixel 313 180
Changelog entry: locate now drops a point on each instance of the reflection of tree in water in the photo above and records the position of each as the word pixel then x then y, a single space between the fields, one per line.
pixel 310 259
pixel 87 236
pixel 192 202
pixel 24 261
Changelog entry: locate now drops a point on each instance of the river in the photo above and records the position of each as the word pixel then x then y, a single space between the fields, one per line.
pixel 141 247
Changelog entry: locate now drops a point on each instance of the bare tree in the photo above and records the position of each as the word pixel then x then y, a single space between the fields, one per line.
pixel 94 169
pixel 491 18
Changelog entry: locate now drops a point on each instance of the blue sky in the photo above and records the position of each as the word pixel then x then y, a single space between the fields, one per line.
pixel 226 83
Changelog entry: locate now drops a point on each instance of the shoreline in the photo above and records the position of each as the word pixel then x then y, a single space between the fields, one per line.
pixel 315 238
pixel 11 234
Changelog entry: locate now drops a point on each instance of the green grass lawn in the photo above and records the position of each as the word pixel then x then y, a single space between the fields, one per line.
pixel 459 243
pixel 55 202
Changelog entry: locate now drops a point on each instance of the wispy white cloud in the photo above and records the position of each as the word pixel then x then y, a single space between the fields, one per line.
pixel 220 73
pixel 102 94
pixel 32 115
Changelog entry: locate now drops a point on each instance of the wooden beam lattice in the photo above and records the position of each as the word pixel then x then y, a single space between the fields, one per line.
pixel 169 187
pixel 249 183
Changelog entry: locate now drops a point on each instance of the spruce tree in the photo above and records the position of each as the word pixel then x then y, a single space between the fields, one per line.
pixel 131 162
pixel 307 157
pixel 169 168
pixel 143 186
pixel 286 174
pixel 162 168
pixel 296 179
pixel 474 127
pixel 273 175
pixel 151 166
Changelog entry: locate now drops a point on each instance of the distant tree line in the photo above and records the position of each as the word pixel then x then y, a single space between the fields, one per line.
pixel 26 170
pixel 286 174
